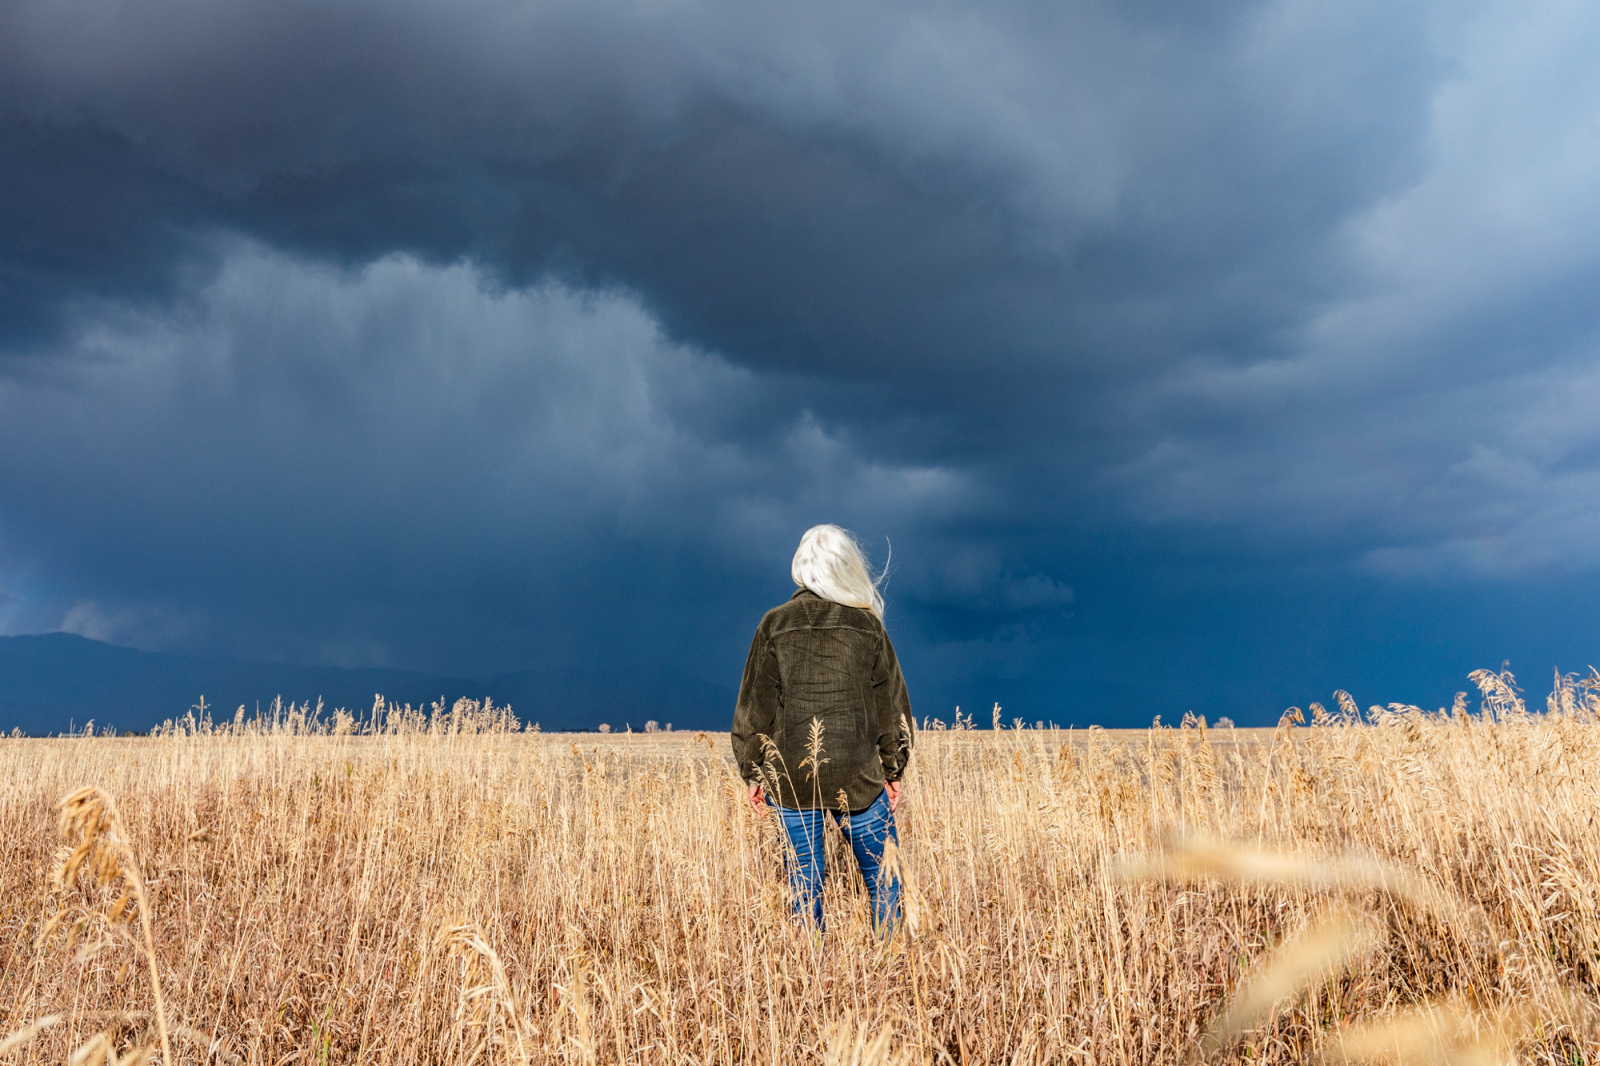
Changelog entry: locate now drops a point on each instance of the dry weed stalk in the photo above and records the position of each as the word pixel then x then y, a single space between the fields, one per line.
pixel 848 1046
pixel 99 847
pixel 28 1032
pixel 1334 938
pixel 1200 858
pixel 99 1050
pixel 308 862
pixel 1436 1034
pixel 483 1002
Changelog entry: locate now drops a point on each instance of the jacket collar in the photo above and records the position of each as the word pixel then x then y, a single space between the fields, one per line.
pixel 804 592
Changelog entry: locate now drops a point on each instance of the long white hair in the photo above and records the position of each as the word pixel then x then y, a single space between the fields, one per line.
pixel 830 563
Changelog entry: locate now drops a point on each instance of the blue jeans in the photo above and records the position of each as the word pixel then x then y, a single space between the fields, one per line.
pixel 867 833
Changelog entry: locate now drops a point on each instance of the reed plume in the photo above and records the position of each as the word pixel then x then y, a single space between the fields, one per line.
pixel 1388 885
pixel 99 848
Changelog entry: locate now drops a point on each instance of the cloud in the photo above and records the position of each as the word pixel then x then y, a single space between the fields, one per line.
pixel 328 446
pixel 1053 190
pixel 1429 422
pixel 86 619
pixel 459 334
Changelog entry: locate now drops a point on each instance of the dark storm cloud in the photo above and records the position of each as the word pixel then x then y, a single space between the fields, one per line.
pixel 835 189
pixel 435 333
pixel 437 458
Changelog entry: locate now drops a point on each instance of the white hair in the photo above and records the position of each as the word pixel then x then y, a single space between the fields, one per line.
pixel 830 563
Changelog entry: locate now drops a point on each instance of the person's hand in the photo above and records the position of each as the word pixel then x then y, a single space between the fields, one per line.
pixel 893 788
pixel 758 802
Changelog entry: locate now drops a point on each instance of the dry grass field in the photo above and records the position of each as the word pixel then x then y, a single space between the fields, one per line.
pixel 449 889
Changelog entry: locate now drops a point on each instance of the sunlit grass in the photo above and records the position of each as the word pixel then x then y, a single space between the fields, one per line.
pixel 454 889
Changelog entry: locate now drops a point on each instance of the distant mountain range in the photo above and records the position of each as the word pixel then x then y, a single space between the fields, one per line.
pixel 54 681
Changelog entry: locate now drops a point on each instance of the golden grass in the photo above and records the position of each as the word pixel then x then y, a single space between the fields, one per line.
pixel 1421 889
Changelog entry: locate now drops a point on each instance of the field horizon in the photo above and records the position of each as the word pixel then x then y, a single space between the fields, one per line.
pixel 454 888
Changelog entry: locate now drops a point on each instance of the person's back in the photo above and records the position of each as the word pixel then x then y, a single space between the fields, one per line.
pixel 823 685
pixel 824 722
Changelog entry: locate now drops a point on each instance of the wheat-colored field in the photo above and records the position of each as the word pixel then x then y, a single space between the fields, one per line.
pixel 451 889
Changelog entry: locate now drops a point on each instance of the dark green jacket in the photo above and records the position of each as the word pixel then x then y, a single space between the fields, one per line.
pixel 815 661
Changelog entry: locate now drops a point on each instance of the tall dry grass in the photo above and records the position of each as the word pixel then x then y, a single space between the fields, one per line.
pixel 450 889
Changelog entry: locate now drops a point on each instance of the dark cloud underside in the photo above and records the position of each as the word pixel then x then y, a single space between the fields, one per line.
pixel 475 337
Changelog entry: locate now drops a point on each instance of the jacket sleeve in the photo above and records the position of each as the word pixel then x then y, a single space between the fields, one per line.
pixel 897 730
pixel 759 698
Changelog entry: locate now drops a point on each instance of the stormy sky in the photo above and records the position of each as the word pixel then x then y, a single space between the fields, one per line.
pixel 1202 355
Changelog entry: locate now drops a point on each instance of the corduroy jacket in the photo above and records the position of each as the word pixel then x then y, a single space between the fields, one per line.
pixel 825 675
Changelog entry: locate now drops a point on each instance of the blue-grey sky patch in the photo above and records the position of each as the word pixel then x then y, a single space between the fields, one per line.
pixel 1196 356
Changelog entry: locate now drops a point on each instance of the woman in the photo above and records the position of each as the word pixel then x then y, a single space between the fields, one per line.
pixel 824 722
